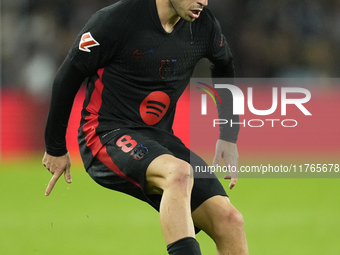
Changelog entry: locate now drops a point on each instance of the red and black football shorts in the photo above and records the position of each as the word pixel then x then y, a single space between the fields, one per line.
pixel 122 162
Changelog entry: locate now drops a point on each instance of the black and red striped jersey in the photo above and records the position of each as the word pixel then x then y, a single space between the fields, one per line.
pixel 136 70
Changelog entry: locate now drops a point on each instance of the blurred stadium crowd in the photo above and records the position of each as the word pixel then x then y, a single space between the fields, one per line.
pixel 281 38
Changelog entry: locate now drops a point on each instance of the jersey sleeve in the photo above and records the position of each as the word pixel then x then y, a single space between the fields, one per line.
pixel 65 87
pixel 222 66
pixel 95 45
pixel 97 42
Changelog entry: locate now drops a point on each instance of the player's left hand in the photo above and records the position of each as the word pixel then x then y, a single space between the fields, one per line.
pixel 227 151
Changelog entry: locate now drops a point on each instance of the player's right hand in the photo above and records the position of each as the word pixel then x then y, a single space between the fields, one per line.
pixel 57 166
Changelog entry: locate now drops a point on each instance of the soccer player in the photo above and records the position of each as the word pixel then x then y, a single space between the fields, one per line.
pixel 138 56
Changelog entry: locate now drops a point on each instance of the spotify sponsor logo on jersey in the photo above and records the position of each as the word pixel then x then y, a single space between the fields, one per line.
pixel 154 107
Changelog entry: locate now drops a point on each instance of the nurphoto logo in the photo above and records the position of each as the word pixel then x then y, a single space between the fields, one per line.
pixel 238 105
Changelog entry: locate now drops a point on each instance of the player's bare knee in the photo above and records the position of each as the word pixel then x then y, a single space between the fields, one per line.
pixel 179 176
pixel 230 219
pixel 236 218
pixel 233 218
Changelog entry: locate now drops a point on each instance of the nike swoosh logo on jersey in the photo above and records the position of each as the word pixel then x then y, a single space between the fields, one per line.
pixel 138 54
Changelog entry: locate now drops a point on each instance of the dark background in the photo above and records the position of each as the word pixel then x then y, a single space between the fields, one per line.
pixel 283 38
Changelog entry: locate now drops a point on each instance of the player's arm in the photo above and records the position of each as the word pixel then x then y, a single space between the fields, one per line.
pixel 65 87
pixel 226 147
pixel 95 45
pixel 222 66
